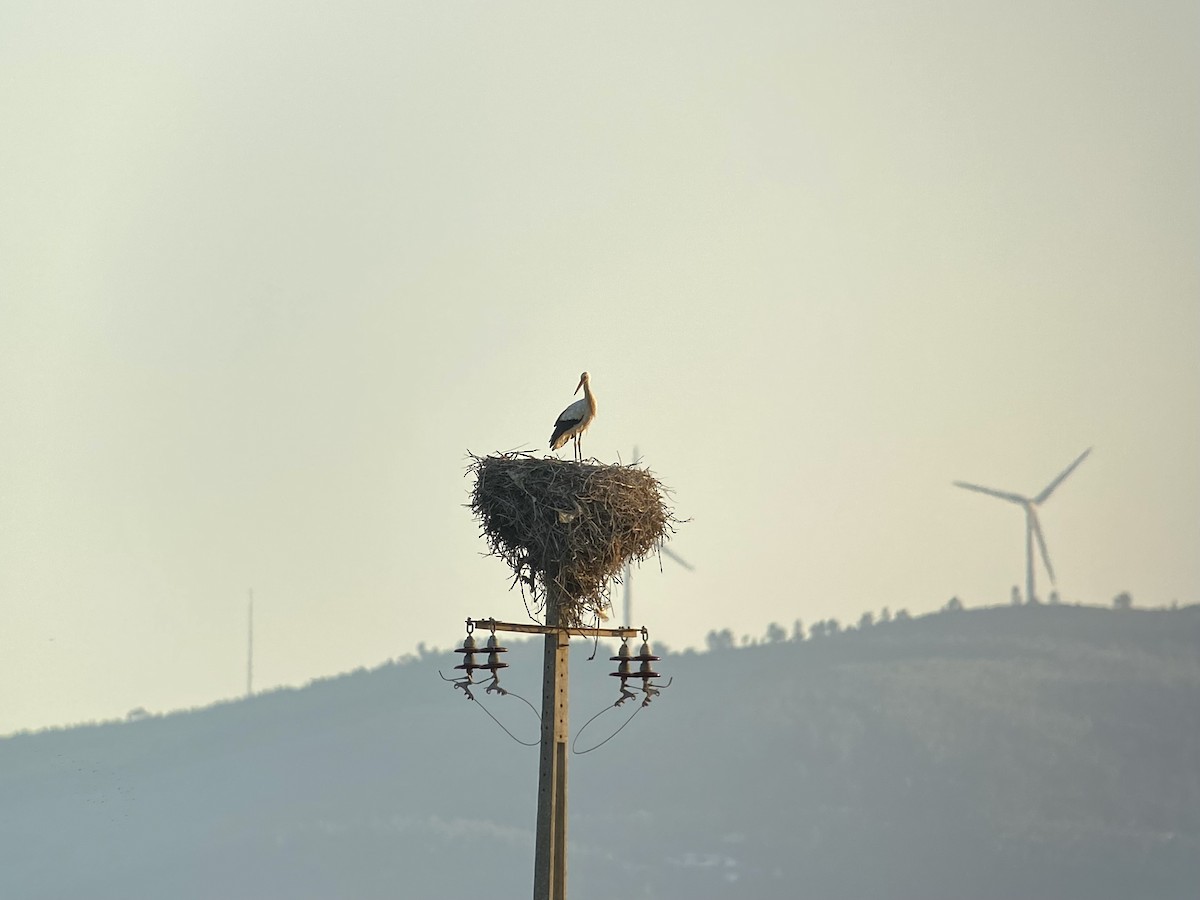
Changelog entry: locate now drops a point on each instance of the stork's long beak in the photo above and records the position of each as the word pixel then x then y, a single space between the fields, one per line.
pixel 578 386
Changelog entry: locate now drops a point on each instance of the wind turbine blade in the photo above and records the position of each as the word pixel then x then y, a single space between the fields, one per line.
pixel 1003 495
pixel 679 559
pixel 1037 532
pixel 1049 489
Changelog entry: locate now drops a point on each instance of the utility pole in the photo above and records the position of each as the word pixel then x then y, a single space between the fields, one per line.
pixel 565 559
pixel 550 853
pixel 550 849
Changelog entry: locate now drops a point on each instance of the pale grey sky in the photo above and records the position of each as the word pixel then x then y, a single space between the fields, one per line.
pixel 267 273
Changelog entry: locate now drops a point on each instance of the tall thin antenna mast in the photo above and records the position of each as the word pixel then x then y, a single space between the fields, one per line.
pixel 250 647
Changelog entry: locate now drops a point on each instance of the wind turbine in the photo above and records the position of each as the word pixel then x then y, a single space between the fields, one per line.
pixel 1033 528
pixel 627 577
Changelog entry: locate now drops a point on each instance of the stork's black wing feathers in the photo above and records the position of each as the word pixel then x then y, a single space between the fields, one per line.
pixel 561 427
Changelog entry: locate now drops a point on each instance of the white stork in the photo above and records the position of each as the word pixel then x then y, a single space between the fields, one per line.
pixel 575 419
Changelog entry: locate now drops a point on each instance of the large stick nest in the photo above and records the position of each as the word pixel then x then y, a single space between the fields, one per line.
pixel 567 529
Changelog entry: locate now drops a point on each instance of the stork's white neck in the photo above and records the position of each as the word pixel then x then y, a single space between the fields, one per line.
pixel 589 396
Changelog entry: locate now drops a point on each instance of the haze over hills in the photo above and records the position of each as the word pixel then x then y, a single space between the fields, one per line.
pixel 269 272
pixel 993 753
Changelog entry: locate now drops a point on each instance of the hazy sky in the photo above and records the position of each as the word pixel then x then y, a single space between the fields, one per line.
pixel 268 272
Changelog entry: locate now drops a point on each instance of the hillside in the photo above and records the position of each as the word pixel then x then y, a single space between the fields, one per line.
pixel 997 753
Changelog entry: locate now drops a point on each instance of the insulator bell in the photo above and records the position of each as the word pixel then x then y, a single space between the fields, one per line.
pixel 624 660
pixel 645 670
pixel 493 646
pixel 468 650
pixel 646 655
pixel 494 650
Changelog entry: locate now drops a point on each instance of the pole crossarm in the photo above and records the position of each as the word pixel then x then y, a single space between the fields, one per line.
pixel 534 628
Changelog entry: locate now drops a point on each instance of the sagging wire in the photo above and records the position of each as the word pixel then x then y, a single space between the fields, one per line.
pixel 651 691
pixel 625 672
pixel 464 685
pixel 501 724
pixel 579 733
pixel 470 649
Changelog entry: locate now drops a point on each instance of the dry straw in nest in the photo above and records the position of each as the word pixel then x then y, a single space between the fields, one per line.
pixel 567 529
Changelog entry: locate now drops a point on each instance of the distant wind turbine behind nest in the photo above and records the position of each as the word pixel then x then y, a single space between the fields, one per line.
pixel 1033 528
pixel 627 576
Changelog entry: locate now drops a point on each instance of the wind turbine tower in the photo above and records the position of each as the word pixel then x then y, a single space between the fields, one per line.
pixel 1033 528
pixel 627 577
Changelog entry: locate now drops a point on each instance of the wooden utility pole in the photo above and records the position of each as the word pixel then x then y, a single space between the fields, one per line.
pixel 550 853
pixel 550 850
